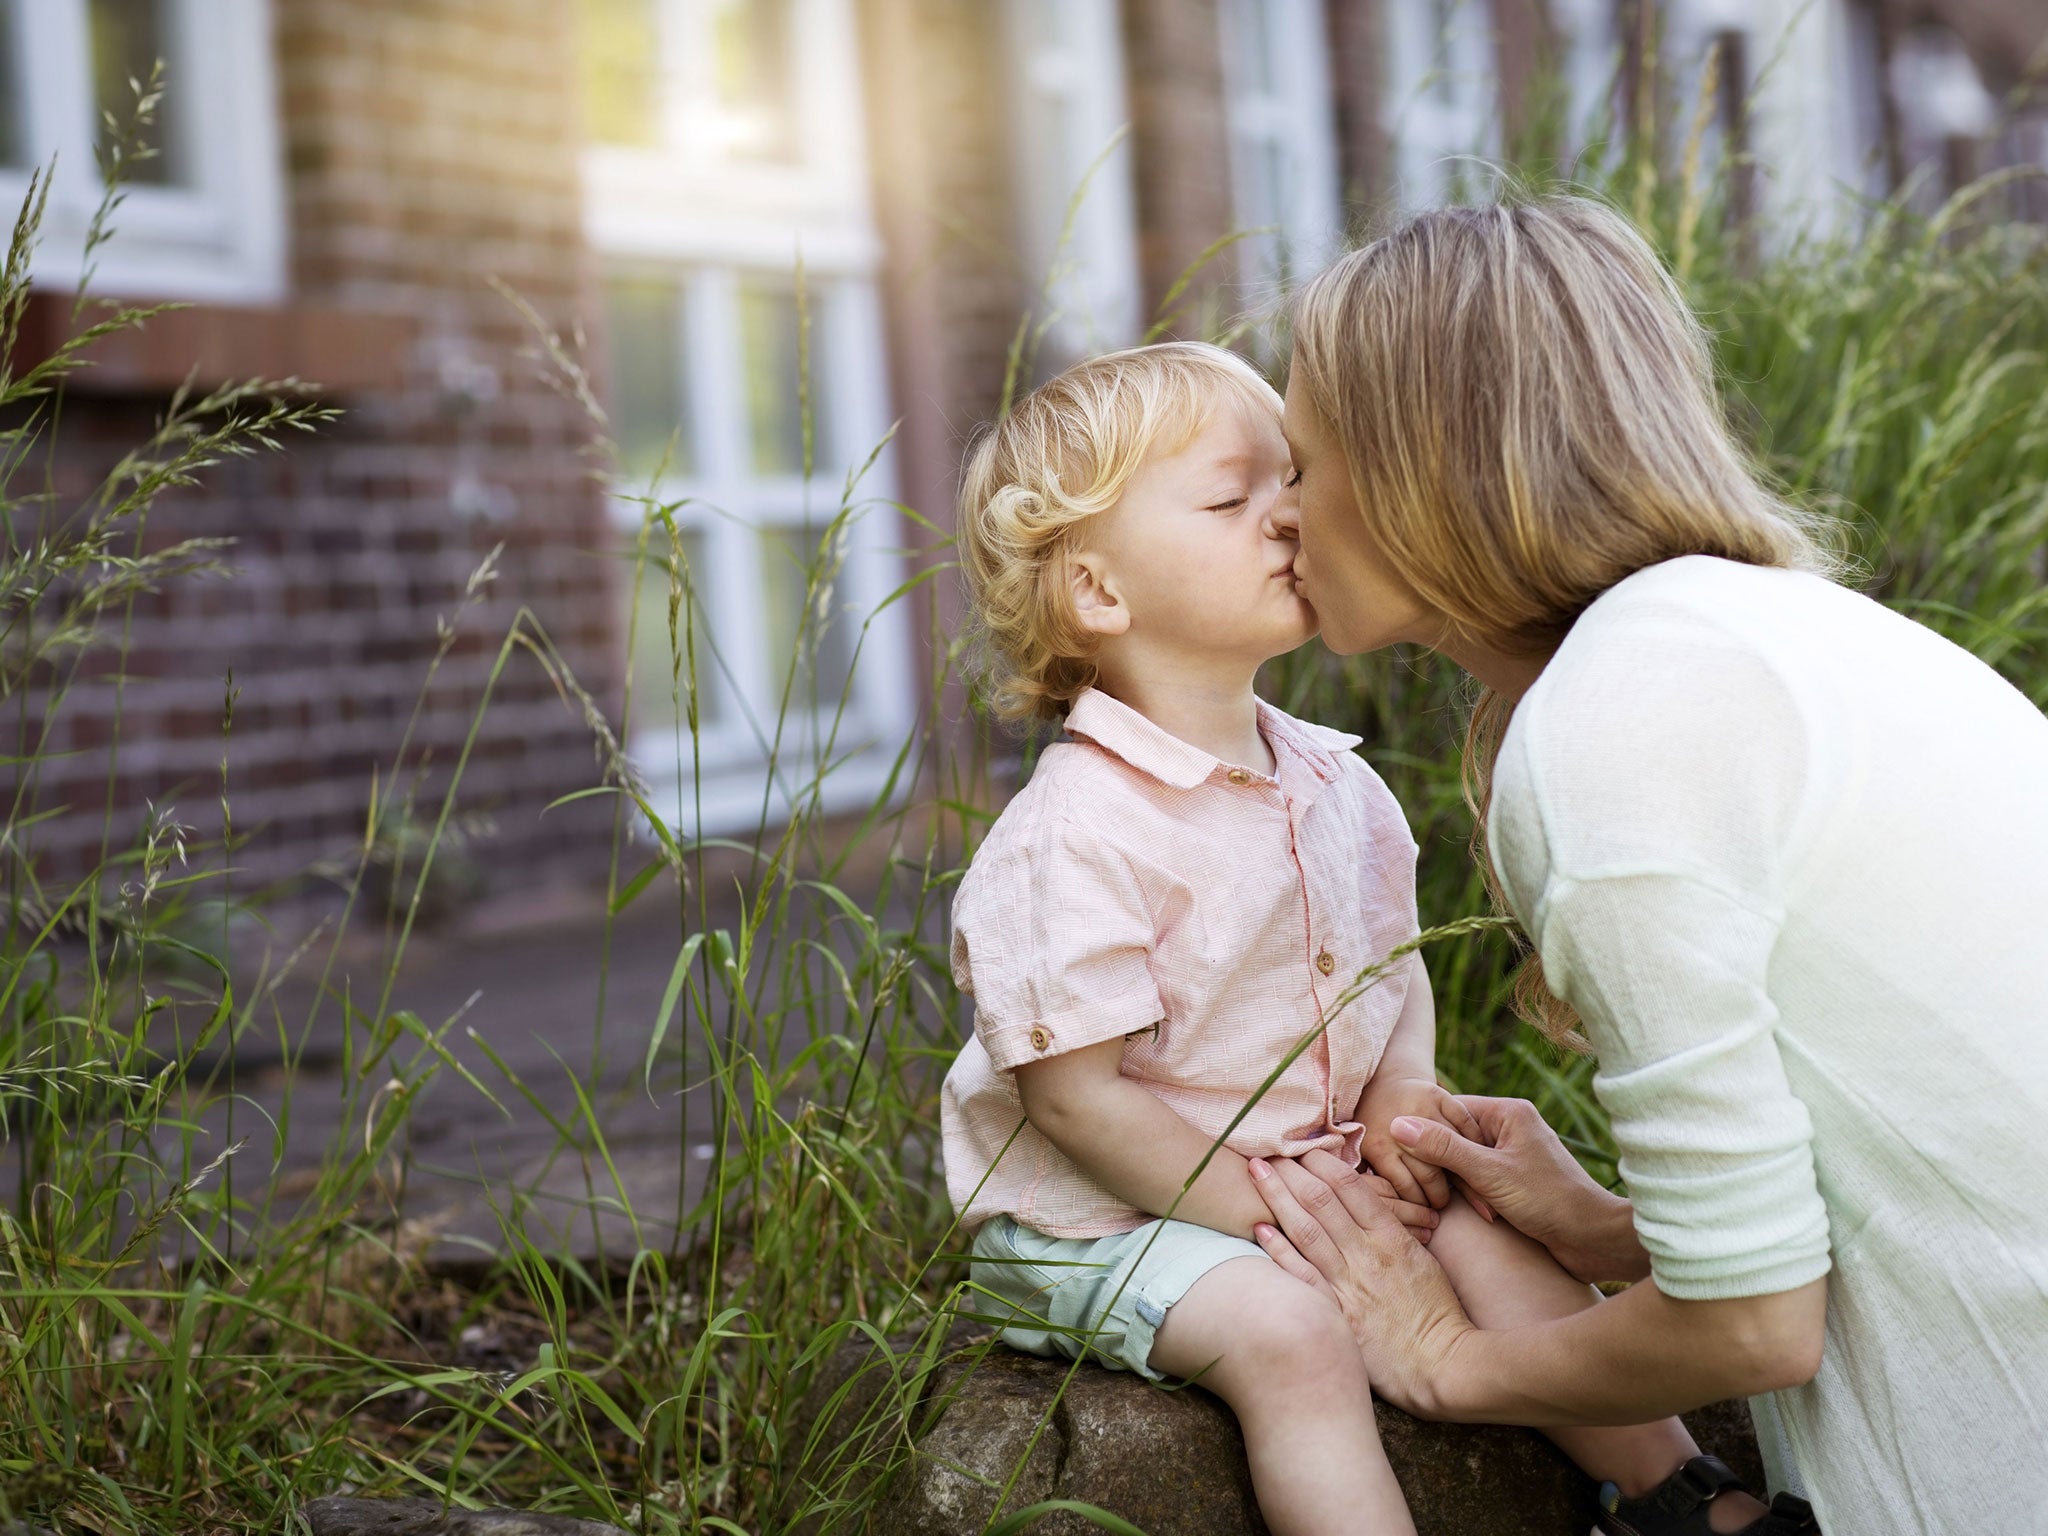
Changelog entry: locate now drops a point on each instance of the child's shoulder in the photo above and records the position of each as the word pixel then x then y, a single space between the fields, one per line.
pixel 1358 782
pixel 1339 748
pixel 1062 821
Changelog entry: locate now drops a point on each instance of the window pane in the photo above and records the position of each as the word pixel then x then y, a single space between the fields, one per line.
pixel 621 60
pixel 13 137
pixel 1248 25
pixel 663 666
pixel 649 397
pixel 756 78
pixel 1443 73
pixel 129 39
pixel 774 347
pixel 803 599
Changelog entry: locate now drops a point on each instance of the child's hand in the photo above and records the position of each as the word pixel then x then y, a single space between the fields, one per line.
pixel 1387 1098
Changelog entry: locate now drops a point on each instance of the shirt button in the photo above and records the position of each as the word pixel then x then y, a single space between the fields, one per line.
pixel 1326 962
pixel 1040 1038
pixel 1239 777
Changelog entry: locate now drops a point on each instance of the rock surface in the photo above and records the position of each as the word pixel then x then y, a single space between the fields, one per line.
pixel 339 1516
pixel 1172 1462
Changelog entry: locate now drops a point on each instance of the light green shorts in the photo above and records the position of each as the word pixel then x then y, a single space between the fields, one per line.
pixel 1052 1293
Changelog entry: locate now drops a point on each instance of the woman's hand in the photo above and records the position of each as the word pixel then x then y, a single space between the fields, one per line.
pixel 1387 1098
pixel 1516 1165
pixel 1341 1237
pixel 1420 1220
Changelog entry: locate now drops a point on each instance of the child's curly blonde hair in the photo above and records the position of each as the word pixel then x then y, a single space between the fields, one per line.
pixel 1062 455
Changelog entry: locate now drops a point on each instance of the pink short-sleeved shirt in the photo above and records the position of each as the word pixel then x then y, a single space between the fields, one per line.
pixel 1208 914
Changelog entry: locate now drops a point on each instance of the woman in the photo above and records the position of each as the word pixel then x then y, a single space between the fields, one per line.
pixel 1782 856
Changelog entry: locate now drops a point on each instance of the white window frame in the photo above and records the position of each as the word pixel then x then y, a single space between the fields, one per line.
pixel 1430 132
pixel 680 211
pixel 1075 78
pixel 1294 117
pixel 220 237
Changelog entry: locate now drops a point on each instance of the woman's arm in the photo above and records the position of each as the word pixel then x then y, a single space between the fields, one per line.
pixel 1640 1356
pixel 1130 1142
pixel 1637 1357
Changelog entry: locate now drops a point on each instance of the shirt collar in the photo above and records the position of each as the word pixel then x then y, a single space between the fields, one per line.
pixel 1119 729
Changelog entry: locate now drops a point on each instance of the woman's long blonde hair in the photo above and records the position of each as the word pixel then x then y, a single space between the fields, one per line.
pixel 1528 411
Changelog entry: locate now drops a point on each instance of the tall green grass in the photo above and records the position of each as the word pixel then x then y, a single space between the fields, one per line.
pixel 180 1348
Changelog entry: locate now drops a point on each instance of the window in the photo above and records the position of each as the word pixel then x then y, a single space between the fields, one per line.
pixel 753 84
pixel 1283 164
pixel 1786 108
pixel 13 131
pixel 621 56
pixel 1944 111
pixel 204 215
pixel 1068 85
pixel 1590 57
pixel 1690 33
pixel 725 123
pixel 1443 94
pixel 1865 87
pixel 746 397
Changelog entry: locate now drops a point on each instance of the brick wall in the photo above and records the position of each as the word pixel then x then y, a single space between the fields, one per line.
pixel 1365 152
pixel 1180 140
pixel 428 146
pixel 945 207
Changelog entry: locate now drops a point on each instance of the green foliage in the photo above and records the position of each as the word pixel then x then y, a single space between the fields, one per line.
pixel 178 1349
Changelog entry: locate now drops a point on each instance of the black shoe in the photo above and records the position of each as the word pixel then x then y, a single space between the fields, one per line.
pixel 1678 1506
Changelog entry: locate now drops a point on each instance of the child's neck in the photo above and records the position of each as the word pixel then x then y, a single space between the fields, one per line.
pixel 1221 716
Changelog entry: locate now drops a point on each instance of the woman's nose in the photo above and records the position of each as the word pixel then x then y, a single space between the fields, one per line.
pixel 1283 516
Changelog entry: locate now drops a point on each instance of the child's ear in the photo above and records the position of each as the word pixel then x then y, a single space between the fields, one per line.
pixel 1093 592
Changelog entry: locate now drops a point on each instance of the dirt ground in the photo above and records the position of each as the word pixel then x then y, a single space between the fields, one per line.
pixel 531 996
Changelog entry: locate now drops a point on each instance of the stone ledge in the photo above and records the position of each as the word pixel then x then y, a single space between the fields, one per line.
pixel 1172 1462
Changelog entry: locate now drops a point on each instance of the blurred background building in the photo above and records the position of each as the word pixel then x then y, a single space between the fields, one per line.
pixel 778 230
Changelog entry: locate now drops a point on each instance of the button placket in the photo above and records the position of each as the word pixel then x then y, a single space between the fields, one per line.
pixel 1324 1063
pixel 1325 965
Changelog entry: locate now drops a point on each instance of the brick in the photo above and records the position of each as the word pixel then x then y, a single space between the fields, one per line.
pixel 423 146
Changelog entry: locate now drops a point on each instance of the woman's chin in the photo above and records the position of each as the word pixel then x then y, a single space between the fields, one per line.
pixel 1318 628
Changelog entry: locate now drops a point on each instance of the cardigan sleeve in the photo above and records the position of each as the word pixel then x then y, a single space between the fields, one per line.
pixel 1650 808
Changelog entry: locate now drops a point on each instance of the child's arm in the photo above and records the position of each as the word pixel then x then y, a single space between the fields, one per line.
pixel 1125 1137
pixel 1405 1084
